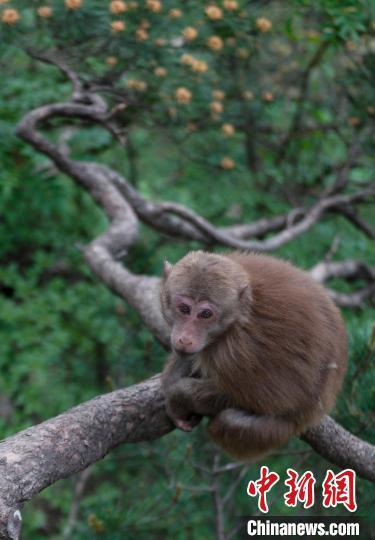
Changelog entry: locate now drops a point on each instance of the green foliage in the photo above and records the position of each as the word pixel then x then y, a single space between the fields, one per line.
pixel 65 337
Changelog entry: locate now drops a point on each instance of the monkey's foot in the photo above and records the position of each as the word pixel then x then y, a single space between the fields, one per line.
pixel 187 424
pixel 184 425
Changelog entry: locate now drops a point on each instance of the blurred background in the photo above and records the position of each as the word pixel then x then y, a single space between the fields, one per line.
pixel 239 110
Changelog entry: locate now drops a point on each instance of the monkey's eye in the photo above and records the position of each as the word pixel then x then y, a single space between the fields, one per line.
pixel 205 314
pixel 184 308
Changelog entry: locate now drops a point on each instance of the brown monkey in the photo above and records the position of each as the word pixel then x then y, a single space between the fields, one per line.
pixel 258 346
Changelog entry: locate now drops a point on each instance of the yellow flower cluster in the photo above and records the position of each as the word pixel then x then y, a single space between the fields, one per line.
pixel 73 4
pixel 96 524
pixel 175 13
pixel 187 59
pixel 10 16
pixel 154 5
pixel 183 95
pixel 268 96
pixel 118 26
pixel 215 43
pixel 198 66
pixel 141 34
pixel 228 129
pixel 354 121
pixel 190 33
pixel 216 107
pixel 44 11
pixel 263 24
pixel 227 163
pixel 218 95
pixel 230 5
pixel 136 84
pixel 111 60
pixel 214 12
pixel 160 71
pixel 117 6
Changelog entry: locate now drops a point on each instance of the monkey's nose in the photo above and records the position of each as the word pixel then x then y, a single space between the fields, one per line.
pixel 186 342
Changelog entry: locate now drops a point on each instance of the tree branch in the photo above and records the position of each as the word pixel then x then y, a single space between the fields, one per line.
pixel 338 446
pixel 60 447
pixel 349 270
pixel 122 204
pixel 311 217
pixel 141 292
pixel 352 215
pixel 354 299
pixel 168 217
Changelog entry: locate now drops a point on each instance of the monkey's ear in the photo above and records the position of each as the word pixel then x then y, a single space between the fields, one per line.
pixel 167 269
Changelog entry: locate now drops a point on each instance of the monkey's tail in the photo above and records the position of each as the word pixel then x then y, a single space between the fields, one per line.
pixel 246 436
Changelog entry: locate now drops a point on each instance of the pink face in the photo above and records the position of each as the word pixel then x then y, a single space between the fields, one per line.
pixel 193 323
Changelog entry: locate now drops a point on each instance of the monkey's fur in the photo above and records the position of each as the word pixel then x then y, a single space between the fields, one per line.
pixel 264 357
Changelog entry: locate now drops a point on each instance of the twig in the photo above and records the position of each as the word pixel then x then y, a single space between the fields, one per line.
pixel 218 501
pixel 79 489
pixel 297 119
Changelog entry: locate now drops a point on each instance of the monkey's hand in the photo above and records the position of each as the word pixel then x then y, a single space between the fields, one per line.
pixel 188 399
pixel 179 405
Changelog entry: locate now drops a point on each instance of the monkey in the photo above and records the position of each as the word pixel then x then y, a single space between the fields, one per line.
pixel 258 347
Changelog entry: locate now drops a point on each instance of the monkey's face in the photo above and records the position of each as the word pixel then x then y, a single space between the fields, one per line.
pixel 195 323
pixel 201 297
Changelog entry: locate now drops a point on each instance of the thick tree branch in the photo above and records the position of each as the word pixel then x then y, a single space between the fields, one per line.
pixel 39 456
pixel 139 291
pixel 62 446
pixel 338 446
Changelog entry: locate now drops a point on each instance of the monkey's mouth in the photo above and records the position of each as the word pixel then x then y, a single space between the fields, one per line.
pixel 183 353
